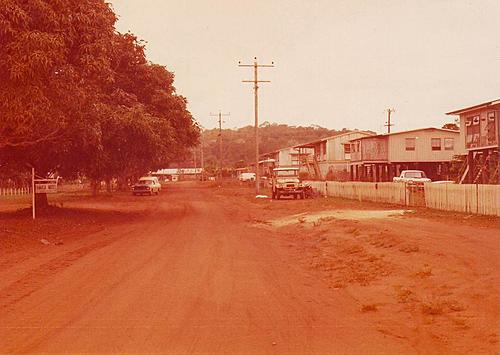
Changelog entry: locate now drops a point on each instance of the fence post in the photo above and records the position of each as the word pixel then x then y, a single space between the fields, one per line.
pixel 477 199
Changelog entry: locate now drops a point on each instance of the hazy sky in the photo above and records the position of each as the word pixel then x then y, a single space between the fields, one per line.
pixel 338 63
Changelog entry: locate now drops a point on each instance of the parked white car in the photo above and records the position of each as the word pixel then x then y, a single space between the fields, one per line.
pixel 246 177
pixel 147 185
pixel 412 177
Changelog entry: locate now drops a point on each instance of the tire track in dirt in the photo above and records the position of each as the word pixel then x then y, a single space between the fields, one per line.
pixel 39 277
pixel 153 227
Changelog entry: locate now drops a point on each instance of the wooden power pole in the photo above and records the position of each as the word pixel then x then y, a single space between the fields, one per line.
pixel 220 115
pixel 389 124
pixel 255 82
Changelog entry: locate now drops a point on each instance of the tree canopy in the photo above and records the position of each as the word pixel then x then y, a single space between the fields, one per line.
pixel 80 98
pixel 239 144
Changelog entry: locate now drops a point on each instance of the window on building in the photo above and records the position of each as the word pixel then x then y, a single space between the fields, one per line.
pixel 347 148
pixel 410 143
pixel 436 143
pixel 472 131
pixel 449 144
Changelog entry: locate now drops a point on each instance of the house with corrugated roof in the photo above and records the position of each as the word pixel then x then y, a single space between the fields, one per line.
pixel 381 157
pixel 329 157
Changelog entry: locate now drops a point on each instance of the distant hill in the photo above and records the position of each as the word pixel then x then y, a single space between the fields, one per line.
pixel 239 144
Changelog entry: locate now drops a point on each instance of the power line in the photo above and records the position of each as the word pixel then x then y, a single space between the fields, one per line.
pixel 220 115
pixel 255 82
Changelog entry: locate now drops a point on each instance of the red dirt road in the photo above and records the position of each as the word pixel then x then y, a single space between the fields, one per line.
pixel 197 270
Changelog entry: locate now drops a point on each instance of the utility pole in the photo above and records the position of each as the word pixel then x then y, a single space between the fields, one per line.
pixel 388 124
pixel 255 82
pixel 220 115
pixel 195 164
pixel 202 158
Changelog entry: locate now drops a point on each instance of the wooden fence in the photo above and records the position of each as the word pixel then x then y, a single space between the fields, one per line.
pixel 364 191
pixel 18 191
pixel 478 199
pixel 14 191
pixel 468 198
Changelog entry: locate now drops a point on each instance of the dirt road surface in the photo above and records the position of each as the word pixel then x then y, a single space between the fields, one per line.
pixel 215 271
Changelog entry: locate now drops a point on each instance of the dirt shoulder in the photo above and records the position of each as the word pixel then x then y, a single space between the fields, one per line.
pixel 426 277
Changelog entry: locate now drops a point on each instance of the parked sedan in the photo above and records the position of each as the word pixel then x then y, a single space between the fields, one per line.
pixel 147 186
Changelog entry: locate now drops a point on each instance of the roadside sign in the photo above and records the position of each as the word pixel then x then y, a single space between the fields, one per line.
pixel 45 186
pixel 41 186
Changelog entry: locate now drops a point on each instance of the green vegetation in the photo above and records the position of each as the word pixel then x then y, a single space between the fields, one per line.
pixel 239 144
pixel 80 99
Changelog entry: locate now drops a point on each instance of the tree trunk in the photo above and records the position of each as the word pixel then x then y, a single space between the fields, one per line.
pixel 95 185
pixel 41 201
pixel 109 186
pixel 121 183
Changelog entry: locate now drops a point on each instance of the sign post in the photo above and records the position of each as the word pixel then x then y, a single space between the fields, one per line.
pixel 33 191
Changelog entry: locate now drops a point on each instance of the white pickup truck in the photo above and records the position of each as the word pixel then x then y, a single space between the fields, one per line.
pixel 412 176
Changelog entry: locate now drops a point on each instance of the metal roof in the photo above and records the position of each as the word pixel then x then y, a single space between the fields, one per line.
pixel 475 107
pixel 313 143
pixel 409 131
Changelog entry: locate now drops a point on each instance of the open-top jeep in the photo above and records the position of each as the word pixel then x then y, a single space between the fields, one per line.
pixel 286 182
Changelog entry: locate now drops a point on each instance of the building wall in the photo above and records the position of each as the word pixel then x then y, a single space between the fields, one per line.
pixel 372 149
pixel 482 132
pixel 335 145
pixel 285 156
pixel 423 151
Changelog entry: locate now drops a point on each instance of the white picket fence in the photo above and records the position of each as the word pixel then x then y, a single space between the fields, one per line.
pixel 363 191
pixel 477 199
pixel 14 191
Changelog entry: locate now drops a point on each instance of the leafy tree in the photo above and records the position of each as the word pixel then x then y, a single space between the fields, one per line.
pixel 80 98
pixel 452 126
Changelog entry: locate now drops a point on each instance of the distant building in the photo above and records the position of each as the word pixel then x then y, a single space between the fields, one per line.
pixel 175 174
pixel 479 132
pixel 381 157
pixel 284 157
pixel 329 157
